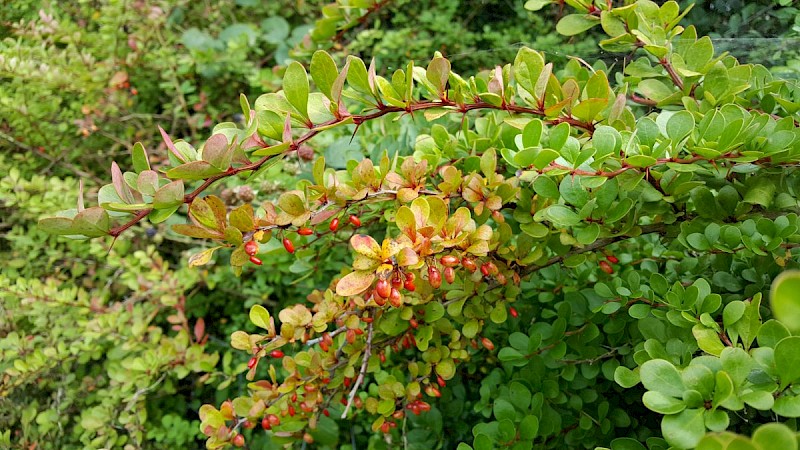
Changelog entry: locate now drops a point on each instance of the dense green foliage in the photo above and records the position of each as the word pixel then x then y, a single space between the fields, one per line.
pixel 630 231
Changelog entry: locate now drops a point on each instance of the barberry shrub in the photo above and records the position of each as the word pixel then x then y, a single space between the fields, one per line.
pixel 559 262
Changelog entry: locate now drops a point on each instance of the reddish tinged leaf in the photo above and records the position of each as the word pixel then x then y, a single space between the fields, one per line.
pixel 199 329
pixel 354 283
pixel 366 245
pixel 171 145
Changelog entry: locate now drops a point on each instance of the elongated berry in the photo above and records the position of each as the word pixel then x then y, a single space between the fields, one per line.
pixel 487 344
pixel 395 298
pixel 606 267
pixel 304 231
pixel 255 261
pixel 440 381
pixel 383 288
pixel 513 312
pixel 288 245
pixel 449 260
pixel 276 354
pixel 434 277
pixel 612 259
pixel 449 275
pixel 334 224
pixel 469 264
pixel 252 363
pixel 265 423
pixel 409 284
pixel 251 248
pixel 354 220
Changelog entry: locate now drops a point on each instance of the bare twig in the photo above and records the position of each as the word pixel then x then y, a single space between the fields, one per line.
pixel 332 334
pixel 361 373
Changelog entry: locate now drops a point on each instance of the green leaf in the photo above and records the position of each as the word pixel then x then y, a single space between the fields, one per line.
pixel 561 216
pixel 259 316
pixel 680 125
pixel 295 87
pixel 785 299
pixel 323 72
pixel 92 222
pixel 771 332
pixel 56 225
pixel 626 377
pixel 787 360
pixel 716 420
pixel 536 5
pixel 504 410
pixel 195 170
pixel 661 376
pixel 438 73
pixel 573 24
pixel 662 404
pixel 684 430
pixel 775 435
pixel 139 157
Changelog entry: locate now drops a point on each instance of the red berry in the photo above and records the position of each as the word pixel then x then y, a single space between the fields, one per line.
pixel 489 345
pixel 248 424
pixel 382 356
pixel 252 363
pixel 434 277
pixel 326 412
pixel 606 267
pixel 449 260
pixel 380 301
pixel 334 224
pixel 469 264
pixel 413 323
pixel 274 420
pixel 383 288
pixel 255 261
pixel 305 231
pixel 251 248
pixel 291 410
pixel 276 354
pixel 409 284
pixel 395 298
pixel 238 440
pixel 265 423
pixel 385 427
pixel 449 275
pixel 288 245
pixel 612 259
pixel 485 269
pixel 513 312
pixel 397 282
pixel 440 381
pixel 354 220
